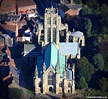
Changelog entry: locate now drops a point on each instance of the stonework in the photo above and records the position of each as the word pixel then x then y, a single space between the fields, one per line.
pixel 52 27
pixel 51 79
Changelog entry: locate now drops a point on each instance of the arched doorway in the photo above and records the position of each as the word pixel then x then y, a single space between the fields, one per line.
pixel 50 89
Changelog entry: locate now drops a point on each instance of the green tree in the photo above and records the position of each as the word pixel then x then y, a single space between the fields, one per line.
pixel 85 10
pixel 98 61
pixel 104 49
pixel 87 27
pixel 103 84
pixel 82 83
pixel 78 1
pixel 85 69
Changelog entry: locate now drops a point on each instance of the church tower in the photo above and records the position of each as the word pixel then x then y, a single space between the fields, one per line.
pixel 51 26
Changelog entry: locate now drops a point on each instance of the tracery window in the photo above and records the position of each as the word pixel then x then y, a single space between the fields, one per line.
pixel 54 20
pixel 60 84
pixel 48 35
pixel 49 20
pixel 69 84
pixel 50 78
pixel 54 35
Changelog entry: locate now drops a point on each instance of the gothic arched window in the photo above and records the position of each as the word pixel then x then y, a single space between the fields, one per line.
pixel 60 84
pixel 50 78
pixel 48 35
pixel 69 84
pixel 54 35
pixel 49 20
pixel 54 20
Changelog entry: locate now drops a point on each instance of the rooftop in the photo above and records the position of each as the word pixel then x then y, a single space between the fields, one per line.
pixel 74 6
pixel 77 34
pixel 23 3
pixel 64 8
pixel 8 27
pixel 68 48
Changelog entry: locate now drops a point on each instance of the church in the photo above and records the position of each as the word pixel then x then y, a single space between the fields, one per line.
pixel 55 66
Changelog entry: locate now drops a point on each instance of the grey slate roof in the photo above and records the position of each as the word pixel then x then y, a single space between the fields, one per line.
pixel 68 48
pixel 29 49
pixel 64 8
pixel 74 6
pixel 76 34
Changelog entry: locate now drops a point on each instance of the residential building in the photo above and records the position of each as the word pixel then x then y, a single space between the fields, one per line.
pixel 7 6
pixel 25 6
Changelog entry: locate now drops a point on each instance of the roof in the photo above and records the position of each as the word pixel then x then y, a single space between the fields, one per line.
pixel 23 3
pixel 7 6
pixel 64 8
pixel 29 49
pixel 51 55
pixel 77 34
pixel 74 6
pixel 8 27
pixel 62 62
pixel 39 64
pixel 2 39
pixel 68 48
pixel 66 1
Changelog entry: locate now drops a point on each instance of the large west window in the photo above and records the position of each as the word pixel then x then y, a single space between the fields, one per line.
pixel 50 78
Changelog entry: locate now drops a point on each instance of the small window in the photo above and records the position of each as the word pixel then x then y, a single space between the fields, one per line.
pixel 69 84
pixel 49 20
pixel 40 84
pixel 54 20
pixel 60 84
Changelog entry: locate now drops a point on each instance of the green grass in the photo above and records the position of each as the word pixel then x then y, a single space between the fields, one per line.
pixel 15 93
pixel 96 93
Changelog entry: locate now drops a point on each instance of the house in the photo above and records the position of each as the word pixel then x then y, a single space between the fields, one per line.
pixel 69 9
pixel 7 6
pixel 25 6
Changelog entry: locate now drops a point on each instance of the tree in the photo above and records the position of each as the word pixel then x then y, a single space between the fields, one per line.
pixel 85 69
pixel 82 83
pixel 98 61
pixel 85 10
pixel 103 84
pixel 87 27
pixel 78 1
pixel 104 49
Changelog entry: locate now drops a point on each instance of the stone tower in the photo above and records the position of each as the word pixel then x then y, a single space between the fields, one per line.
pixel 51 26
